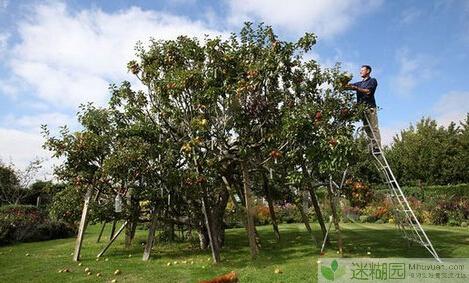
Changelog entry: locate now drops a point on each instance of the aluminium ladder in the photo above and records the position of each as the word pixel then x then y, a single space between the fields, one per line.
pixel 406 220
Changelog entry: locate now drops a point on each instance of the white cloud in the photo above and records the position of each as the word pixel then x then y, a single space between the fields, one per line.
pixel 408 16
pixel 182 2
pixel 10 87
pixel 4 4
pixel 324 17
pixel 64 58
pixel 389 132
pixel 20 148
pixel 413 70
pixel 3 43
pixel 452 107
pixel 88 50
pixel 32 123
pixel 22 140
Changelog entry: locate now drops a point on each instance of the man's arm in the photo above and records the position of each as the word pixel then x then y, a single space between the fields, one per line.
pixel 373 84
pixel 359 89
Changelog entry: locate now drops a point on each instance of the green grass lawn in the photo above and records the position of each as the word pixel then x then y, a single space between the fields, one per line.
pixel 295 255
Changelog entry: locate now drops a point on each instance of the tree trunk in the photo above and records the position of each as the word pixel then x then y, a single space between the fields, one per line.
pixel 314 200
pixel 171 232
pixel 131 227
pixel 113 228
pixel 218 212
pixel 335 218
pixel 128 227
pixel 305 219
pixel 211 235
pixel 317 210
pixel 268 196
pixel 101 231
pixel 83 224
pixel 249 210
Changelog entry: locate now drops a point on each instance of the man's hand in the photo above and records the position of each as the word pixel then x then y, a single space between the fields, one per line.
pixel 350 86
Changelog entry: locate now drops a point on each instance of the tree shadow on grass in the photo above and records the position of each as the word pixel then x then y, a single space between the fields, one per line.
pixel 381 240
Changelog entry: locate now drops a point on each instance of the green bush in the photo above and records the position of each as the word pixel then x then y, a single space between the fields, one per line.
pixel 21 213
pixel 23 223
pixel 459 190
pixel 288 213
pixel 363 218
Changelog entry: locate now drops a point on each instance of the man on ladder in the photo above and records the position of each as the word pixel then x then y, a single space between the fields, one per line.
pixel 366 94
pixel 405 217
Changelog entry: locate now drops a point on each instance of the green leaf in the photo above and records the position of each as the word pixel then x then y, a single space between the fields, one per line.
pixel 339 272
pixel 327 273
pixel 334 265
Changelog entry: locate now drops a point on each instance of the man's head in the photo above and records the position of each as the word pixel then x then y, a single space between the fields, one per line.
pixel 365 71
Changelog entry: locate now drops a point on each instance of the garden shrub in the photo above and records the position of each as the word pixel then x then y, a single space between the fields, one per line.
pixel 453 222
pixel 351 213
pixel 262 215
pixel 288 213
pixel 363 218
pixel 24 223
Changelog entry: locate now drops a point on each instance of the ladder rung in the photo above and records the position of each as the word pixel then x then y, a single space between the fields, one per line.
pixel 398 196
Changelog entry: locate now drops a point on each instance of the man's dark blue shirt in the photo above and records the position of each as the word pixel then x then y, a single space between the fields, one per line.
pixel 369 99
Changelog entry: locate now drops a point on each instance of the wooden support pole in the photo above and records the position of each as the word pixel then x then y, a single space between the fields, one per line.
pixel 151 235
pixel 113 239
pixel 83 222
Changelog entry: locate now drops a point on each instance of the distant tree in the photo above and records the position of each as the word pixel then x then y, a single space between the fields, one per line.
pixel 15 184
pixel 430 153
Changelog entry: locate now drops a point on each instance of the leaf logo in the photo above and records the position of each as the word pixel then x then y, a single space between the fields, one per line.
pixel 333 272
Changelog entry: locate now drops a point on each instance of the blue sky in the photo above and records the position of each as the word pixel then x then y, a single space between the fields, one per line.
pixel 55 55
